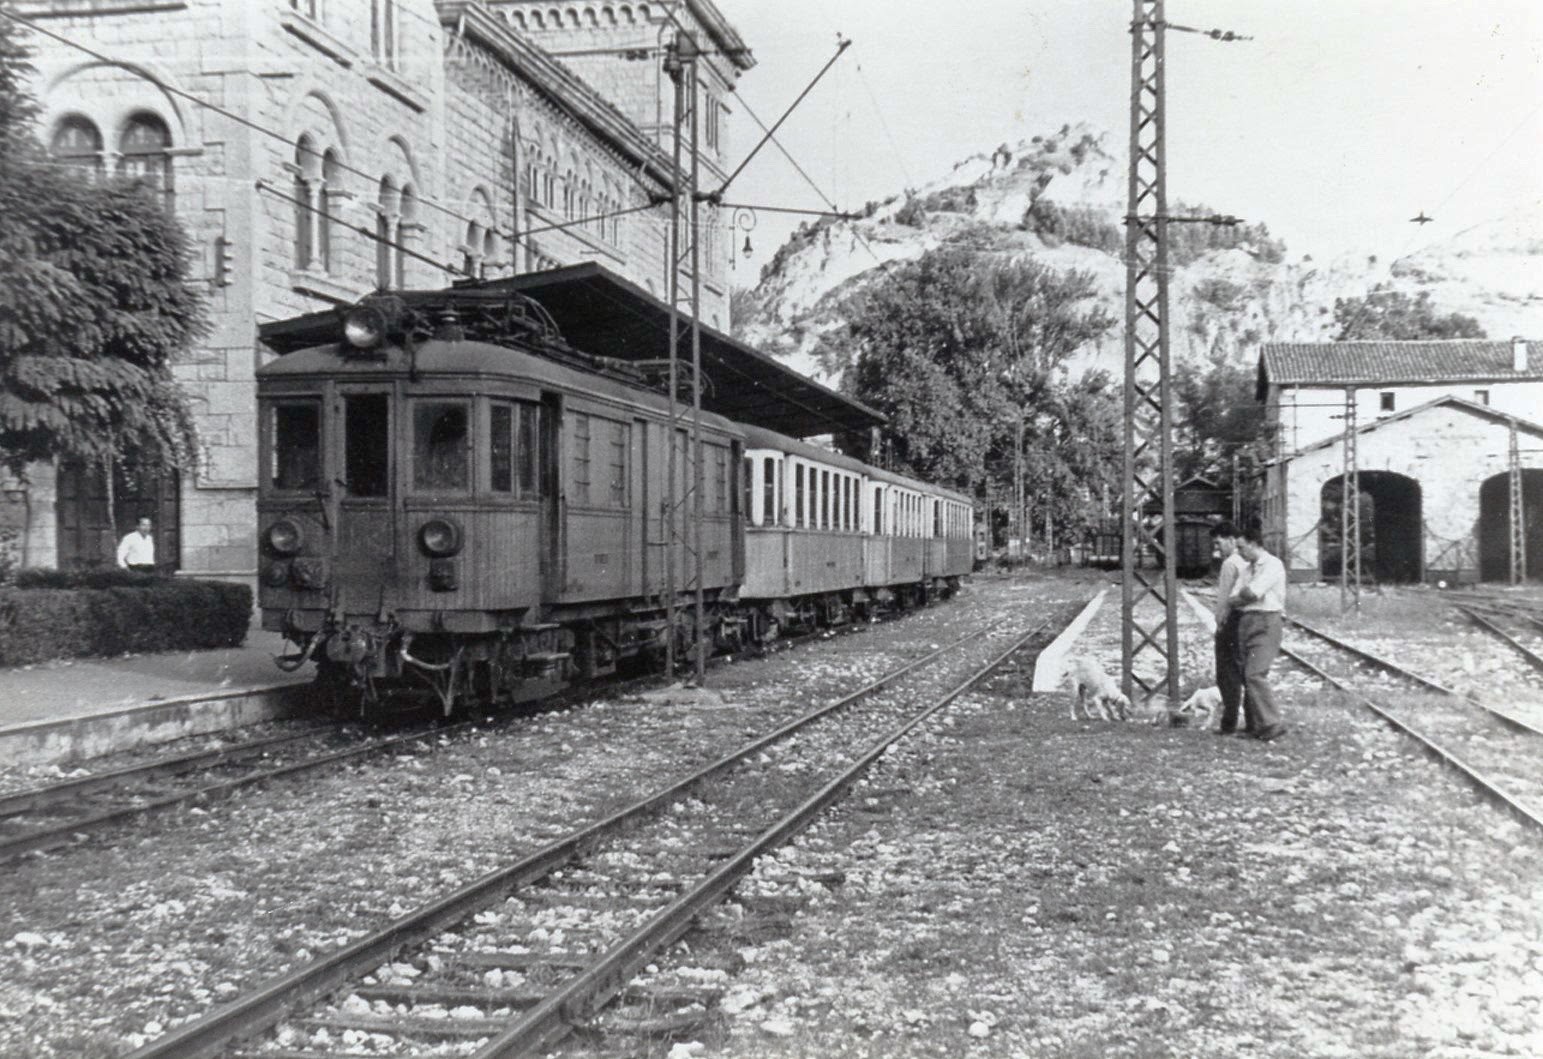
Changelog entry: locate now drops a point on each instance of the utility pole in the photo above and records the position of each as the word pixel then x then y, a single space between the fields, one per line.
pixel 1350 513
pixel 1148 465
pixel 683 494
pixel 1148 400
pixel 1020 518
pixel 1518 526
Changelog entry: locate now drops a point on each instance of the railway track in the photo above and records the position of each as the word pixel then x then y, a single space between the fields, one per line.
pixel 517 960
pixel 1497 753
pixel 1508 625
pixel 63 814
pixel 67 813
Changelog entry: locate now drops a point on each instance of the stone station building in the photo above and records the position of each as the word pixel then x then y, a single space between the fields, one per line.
pixel 1434 425
pixel 282 131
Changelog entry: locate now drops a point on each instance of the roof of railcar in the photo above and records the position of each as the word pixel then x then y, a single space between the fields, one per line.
pixel 600 312
pixel 603 315
pixel 761 438
pixel 442 359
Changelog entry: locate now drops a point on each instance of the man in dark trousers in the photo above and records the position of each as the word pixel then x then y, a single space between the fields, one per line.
pixel 1261 596
pixel 1229 661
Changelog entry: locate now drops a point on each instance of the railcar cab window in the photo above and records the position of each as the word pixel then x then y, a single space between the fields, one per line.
pixel 441 457
pixel 366 443
pixel 515 448
pixel 296 440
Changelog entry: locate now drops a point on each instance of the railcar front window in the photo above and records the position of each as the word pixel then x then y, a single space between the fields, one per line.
pixel 440 454
pixel 296 446
pixel 501 447
pixel 366 444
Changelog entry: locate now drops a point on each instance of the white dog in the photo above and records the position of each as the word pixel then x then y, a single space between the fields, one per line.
pixel 1199 708
pixel 1095 692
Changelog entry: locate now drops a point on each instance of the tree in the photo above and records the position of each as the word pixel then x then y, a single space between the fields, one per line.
pixel 956 345
pixel 1391 314
pixel 95 305
pixel 1218 420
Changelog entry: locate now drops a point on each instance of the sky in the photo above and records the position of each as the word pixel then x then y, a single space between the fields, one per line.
pixel 1338 122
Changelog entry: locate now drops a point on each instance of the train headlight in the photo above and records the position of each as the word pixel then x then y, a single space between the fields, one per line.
pixel 364 326
pixel 284 537
pixel 440 537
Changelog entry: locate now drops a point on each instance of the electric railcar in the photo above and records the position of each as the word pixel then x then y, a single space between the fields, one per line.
pixel 455 503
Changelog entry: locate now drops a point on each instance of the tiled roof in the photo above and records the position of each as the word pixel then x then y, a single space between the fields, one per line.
pixel 1338 363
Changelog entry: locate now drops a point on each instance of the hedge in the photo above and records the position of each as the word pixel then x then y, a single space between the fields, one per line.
pixel 153 614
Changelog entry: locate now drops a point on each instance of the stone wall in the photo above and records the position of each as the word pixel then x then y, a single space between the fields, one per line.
pixel 1448 451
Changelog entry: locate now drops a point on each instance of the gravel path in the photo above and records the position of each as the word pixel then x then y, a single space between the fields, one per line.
pixel 1018 884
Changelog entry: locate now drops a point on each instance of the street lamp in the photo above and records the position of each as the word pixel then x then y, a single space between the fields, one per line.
pixel 744 220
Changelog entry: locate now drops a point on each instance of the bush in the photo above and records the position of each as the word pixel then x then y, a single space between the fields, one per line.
pixel 37 624
pixel 103 577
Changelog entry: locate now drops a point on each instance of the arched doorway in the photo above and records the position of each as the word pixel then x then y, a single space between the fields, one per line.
pixel 1391 540
pixel 1494 531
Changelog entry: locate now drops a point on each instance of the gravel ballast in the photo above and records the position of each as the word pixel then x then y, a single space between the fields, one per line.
pixel 1006 882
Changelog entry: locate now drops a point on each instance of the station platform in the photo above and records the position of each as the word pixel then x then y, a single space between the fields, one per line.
pixel 78 708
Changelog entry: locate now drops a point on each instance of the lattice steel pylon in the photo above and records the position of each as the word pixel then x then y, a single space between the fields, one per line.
pixel 683 500
pixel 1350 511
pixel 1148 468
pixel 1518 513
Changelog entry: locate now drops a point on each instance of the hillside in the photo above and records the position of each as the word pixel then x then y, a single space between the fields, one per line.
pixel 1061 198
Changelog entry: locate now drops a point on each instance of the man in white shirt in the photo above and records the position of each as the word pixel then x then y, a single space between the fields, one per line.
pixel 136 551
pixel 1261 596
pixel 1229 661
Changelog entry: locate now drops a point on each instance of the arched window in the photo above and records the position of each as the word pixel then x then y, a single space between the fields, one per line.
pixel 472 250
pixel 489 252
pixel 76 142
pixel 388 208
pixel 307 177
pixel 142 155
pixel 327 195
pixel 407 228
pixel 318 181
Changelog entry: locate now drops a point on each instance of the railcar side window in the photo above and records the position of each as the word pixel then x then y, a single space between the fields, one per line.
pixel 769 492
pixel 528 455
pixel 878 509
pixel 441 458
pixel 825 500
pixel 366 444
pixel 798 494
pixel 579 478
pixel 296 446
pixel 621 442
pixel 745 486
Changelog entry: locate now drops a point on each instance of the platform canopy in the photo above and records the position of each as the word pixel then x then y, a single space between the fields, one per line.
pixel 602 313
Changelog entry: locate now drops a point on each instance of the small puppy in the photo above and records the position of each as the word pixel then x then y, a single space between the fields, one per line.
pixel 1199 708
pixel 1095 691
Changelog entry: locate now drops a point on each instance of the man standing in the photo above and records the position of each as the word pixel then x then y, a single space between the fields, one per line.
pixel 1261 596
pixel 1229 661
pixel 136 551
